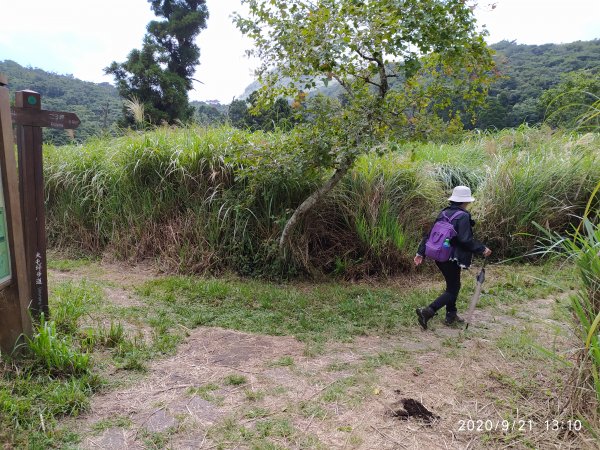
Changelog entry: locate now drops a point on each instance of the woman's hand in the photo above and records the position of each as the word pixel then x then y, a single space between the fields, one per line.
pixel 418 260
pixel 487 252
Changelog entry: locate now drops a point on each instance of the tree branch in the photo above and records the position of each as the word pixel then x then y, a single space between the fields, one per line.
pixel 368 80
pixel 383 76
pixel 343 84
pixel 312 200
pixel 368 58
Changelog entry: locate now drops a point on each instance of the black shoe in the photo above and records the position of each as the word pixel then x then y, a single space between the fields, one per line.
pixel 453 319
pixel 423 316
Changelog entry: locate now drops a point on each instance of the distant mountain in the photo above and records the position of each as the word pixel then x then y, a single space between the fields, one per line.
pixel 216 104
pixel 255 85
pixel 98 105
pixel 527 71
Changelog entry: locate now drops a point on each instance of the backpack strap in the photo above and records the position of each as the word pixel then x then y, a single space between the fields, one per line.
pixel 453 216
pixel 456 214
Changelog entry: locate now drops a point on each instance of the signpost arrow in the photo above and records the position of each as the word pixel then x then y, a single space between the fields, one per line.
pixel 42 118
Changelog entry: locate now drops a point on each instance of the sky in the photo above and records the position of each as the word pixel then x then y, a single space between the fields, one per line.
pixel 81 37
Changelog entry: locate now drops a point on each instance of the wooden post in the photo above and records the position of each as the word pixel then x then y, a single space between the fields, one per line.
pixel 29 117
pixel 31 182
pixel 15 288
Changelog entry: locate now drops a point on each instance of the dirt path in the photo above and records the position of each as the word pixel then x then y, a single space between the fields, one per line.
pixel 228 389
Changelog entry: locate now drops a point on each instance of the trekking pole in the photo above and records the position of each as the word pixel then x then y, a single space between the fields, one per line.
pixel 480 279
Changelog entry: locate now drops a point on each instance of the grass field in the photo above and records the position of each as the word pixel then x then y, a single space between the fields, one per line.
pixel 297 357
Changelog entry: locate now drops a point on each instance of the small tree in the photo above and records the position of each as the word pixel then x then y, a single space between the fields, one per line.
pixel 430 48
pixel 160 74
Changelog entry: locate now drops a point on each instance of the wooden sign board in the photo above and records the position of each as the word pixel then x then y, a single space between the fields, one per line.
pixel 42 118
pixel 15 287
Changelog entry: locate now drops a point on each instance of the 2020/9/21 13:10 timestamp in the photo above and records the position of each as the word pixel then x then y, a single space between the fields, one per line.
pixel 524 425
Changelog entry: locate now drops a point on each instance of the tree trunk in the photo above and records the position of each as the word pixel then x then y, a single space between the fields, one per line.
pixel 311 201
pixel 384 85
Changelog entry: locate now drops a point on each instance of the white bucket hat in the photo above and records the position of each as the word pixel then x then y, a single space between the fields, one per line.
pixel 461 194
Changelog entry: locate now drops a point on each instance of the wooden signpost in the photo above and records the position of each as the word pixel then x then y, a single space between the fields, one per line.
pixel 14 287
pixel 23 275
pixel 29 117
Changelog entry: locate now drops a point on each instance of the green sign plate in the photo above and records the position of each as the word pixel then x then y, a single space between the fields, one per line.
pixel 5 269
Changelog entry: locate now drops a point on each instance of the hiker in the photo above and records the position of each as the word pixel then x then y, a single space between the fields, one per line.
pixel 450 243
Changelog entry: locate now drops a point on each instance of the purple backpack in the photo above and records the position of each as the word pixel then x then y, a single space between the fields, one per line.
pixel 438 246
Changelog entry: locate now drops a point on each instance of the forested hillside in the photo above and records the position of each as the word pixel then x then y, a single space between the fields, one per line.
pixel 210 112
pixel 98 105
pixel 526 72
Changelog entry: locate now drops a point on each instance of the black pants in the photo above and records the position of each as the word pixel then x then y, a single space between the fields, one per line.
pixel 451 272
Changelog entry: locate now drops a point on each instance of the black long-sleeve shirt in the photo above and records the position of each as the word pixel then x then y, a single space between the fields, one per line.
pixel 464 244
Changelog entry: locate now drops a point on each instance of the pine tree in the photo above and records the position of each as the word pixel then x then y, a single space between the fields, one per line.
pixel 161 73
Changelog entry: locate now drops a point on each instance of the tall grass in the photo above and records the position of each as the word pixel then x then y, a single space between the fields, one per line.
pixel 199 200
pixel 136 109
pixel 582 246
pixel 380 210
pixel 548 183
